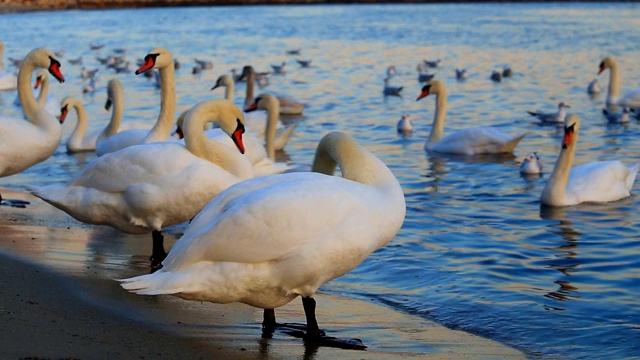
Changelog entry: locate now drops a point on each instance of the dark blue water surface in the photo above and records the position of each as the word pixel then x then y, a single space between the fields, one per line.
pixel 476 252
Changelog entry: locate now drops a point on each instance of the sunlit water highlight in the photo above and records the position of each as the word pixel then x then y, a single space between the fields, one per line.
pixel 476 251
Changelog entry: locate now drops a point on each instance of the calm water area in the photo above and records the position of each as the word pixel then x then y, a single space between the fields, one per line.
pixel 477 252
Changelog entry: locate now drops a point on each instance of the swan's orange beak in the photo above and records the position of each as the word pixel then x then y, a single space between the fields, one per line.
pixel 568 137
pixel 252 107
pixel 38 82
pixel 237 136
pixel 54 69
pixel 63 113
pixel 424 93
pixel 149 63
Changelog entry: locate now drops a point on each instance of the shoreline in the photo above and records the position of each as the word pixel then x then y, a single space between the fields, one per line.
pixel 60 301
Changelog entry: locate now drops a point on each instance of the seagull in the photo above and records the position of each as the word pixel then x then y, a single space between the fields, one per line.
pixel 496 76
pixel 593 87
pixel 461 74
pixel 531 164
pixel 391 90
pixel 557 117
pixel 304 63
pixel 279 69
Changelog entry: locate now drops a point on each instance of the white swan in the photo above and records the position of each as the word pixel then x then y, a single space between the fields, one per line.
pixel 278 139
pixel 26 143
pixel 161 59
pixel 531 164
pixel 144 188
pixel 552 118
pixel 288 105
pixel 45 100
pixel 599 181
pixel 79 140
pixel 115 101
pixel 267 240
pixel 631 99
pixel 478 140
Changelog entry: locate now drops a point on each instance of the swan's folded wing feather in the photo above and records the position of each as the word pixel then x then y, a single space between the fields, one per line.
pixel 247 228
pixel 473 138
pixel 599 181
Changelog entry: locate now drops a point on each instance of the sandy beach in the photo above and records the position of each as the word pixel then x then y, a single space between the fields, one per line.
pixel 50 310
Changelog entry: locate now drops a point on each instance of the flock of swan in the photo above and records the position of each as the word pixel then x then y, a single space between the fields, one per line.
pixel 256 234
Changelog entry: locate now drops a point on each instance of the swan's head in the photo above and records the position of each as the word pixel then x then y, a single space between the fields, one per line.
pixel 571 127
pixel 247 70
pixel 114 87
pixel 41 78
pixel 606 63
pixel 264 102
pixel 64 109
pixel 223 81
pixel 562 105
pixel 432 87
pixel 221 111
pixel 46 59
pixel 157 58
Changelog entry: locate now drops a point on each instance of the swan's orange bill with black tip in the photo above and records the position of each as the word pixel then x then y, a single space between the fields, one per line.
pixel 149 63
pixel 63 113
pixel 568 136
pixel 424 93
pixel 54 69
pixel 237 136
pixel 38 83
pixel 252 107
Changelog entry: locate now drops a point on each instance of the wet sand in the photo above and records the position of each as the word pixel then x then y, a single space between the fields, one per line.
pixel 59 300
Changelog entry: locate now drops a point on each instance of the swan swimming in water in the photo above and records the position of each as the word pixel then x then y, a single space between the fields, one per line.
pixel 268 240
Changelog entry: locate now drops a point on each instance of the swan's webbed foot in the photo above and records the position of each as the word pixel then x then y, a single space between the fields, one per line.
pixel 310 333
pixel 158 254
pixel 14 203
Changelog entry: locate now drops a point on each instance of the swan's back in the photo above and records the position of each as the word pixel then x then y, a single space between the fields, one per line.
pixel 600 181
pixel 120 140
pixel 478 140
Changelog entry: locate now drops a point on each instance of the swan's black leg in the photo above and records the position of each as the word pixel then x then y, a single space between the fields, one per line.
pixel 269 323
pixel 316 336
pixel 158 254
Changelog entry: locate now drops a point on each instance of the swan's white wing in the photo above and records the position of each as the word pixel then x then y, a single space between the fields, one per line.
pixel 631 99
pixel 120 140
pixel 276 216
pixel 471 141
pixel 599 181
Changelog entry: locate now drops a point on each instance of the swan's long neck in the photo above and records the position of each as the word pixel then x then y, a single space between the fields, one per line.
pixel 229 90
pixel 201 146
pixel 273 113
pixel 29 105
pixel 437 128
pixel 117 102
pixel 614 84
pixel 162 129
pixel 556 186
pixel 248 96
pixel 77 136
pixel 44 91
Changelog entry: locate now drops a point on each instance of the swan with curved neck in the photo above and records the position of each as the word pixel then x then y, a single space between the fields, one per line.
pixel 45 100
pixel 147 187
pixel 78 141
pixel 599 181
pixel 631 99
pixel 472 141
pixel 255 122
pixel 265 263
pixel 288 105
pixel 274 141
pixel 26 143
pixel 161 59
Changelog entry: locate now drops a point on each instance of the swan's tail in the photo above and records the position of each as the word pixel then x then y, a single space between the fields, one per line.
pixel 282 138
pixel 632 175
pixel 510 145
pixel 159 283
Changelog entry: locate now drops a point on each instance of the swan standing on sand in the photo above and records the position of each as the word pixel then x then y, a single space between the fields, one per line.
pixel 473 141
pixel 288 105
pixel 26 143
pixel 631 99
pixel 144 188
pixel 599 181
pixel 267 240
pixel 161 59
pixel 552 118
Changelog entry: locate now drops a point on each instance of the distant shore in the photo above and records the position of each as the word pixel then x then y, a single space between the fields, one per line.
pixel 9 6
